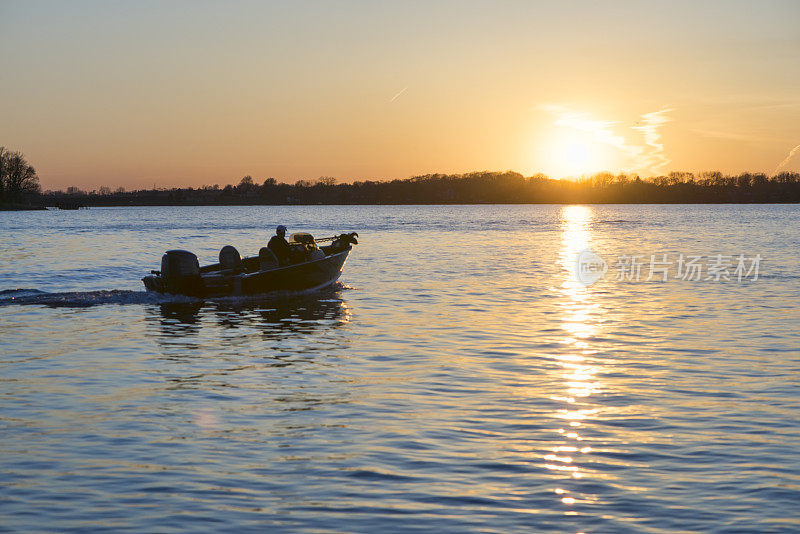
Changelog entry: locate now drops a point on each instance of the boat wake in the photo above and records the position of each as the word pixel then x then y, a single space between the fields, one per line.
pixel 85 299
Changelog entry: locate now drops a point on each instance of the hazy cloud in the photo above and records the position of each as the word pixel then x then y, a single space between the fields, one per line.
pixel 732 136
pixel 654 159
pixel 792 152
pixel 645 157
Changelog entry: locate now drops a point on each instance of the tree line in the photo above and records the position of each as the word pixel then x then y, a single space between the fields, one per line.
pixel 19 187
pixel 19 182
pixel 472 188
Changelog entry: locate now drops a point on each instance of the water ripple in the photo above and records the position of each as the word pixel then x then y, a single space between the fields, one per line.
pixel 468 384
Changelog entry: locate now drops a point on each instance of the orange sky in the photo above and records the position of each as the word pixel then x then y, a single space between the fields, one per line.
pixel 192 93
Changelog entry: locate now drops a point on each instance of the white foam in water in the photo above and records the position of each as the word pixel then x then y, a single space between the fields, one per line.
pixel 11 294
pixel 84 298
pixel 79 299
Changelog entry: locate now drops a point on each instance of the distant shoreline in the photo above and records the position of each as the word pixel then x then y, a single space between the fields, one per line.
pixel 643 203
pixel 460 189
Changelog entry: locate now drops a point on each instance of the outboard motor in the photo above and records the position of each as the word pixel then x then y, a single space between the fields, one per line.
pixel 302 237
pixel 343 241
pixel 180 272
pixel 301 244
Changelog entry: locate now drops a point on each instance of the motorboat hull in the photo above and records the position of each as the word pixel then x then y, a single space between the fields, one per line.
pixel 213 282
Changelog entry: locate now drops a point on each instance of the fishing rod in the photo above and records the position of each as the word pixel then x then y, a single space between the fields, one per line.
pixel 318 239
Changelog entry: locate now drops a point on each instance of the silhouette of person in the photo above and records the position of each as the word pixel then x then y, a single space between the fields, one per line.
pixel 279 246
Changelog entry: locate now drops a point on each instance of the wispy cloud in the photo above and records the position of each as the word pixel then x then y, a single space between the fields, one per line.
pixel 395 97
pixel 647 156
pixel 601 131
pixel 654 158
pixel 792 152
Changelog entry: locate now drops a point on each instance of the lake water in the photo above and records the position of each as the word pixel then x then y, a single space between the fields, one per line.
pixel 459 377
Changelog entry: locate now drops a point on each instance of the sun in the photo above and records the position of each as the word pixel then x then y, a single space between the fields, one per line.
pixel 573 148
pixel 576 154
pixel 570 154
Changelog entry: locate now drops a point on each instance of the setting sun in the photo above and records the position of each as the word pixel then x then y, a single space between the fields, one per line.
pixel 579 157
pixel 569 154
pixel 577 154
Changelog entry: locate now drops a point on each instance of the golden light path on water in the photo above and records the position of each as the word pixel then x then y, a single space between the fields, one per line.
pixel 578 372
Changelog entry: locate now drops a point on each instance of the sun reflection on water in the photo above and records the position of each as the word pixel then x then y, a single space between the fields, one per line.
pixel 578 371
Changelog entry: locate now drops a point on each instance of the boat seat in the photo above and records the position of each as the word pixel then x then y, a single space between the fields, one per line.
pixel 267 259
pixel 229 258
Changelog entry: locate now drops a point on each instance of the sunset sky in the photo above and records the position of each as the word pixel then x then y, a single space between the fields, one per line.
pixel 192 93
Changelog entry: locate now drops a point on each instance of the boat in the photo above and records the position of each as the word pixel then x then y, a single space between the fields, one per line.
pixel 310 267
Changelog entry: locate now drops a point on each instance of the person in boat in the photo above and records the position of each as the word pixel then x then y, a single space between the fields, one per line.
pixel 279 246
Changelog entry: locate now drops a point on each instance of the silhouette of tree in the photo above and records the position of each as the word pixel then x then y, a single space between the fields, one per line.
pixel 246 186
pixel 17 176
pixel 3 155
pixel 326 180
pixel 483 187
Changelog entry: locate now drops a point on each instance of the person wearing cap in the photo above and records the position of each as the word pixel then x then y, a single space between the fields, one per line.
pixel 279 246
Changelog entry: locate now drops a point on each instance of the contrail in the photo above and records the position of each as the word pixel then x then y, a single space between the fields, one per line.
pixel 792 152
pixel 395 97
